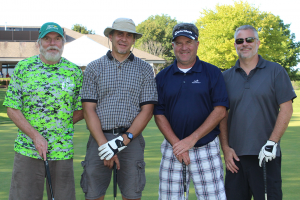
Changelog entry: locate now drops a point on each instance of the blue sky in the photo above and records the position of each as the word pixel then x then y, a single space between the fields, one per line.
pixel 98 14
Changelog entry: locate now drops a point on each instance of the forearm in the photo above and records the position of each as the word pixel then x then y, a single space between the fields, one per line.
pixel 140 121
pixel 77 116
pixel 165 128
pixel 223 136
pixel 282 122
pixel 18 118
pixel 93 123
pixel 210 123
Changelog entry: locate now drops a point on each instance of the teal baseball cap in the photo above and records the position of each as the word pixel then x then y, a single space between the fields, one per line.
pixel 50 27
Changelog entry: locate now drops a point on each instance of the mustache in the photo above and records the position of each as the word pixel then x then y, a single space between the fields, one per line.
pixel 52 48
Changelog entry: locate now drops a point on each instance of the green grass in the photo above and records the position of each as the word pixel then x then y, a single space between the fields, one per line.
pixel 3 116
pixel 289 143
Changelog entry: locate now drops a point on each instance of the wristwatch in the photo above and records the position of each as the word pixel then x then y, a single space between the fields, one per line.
pixel 129 136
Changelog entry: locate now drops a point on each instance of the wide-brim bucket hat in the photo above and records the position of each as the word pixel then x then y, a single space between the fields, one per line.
pixel 123 24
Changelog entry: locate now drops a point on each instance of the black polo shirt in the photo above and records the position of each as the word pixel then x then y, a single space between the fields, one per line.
pixel 254 102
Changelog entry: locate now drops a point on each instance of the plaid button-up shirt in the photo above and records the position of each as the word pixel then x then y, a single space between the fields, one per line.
pixel 119 89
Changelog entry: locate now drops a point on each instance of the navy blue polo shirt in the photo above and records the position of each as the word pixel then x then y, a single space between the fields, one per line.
pixel 187 99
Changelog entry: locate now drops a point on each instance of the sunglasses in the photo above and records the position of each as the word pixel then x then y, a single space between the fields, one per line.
pixel 248 40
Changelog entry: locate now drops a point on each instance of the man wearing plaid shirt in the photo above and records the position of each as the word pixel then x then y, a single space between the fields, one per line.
pixel 118 95
pixel 192 100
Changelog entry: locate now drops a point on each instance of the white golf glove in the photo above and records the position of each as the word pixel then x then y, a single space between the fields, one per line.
pixel 268 152
pixel 111 148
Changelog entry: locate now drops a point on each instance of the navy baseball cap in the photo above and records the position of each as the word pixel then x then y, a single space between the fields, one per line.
pixel 187 33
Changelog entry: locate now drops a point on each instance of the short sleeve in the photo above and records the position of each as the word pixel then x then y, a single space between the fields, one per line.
pixel 89 86
pixel 219 94
pixel 149 92
pixel 77 100
pixel 283 87
pixel 159 108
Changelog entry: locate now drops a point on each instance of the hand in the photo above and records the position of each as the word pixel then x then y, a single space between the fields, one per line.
pixel 110 163
pixel 267 152
pixel 229 155
pixel 41 146
pixel 111 148
pixel 183 145
pixel 185 157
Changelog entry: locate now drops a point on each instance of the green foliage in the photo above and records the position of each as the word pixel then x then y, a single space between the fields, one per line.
pixel 157 30
pixel 296 85
pixel 217 28
pixel 82 29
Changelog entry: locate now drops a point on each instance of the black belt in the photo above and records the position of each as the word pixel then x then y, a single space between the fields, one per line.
pixel 116 130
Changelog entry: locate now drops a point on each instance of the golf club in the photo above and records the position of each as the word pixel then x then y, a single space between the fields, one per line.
pixel 49 178
pixel 115 181
pixel 265 178
pixel 184 178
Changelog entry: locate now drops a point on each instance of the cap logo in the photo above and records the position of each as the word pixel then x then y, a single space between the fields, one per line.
pixel 51 27
pixel 180 31
pixel 187 33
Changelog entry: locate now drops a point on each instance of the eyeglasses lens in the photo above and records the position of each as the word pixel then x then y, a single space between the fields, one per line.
pixel 241 40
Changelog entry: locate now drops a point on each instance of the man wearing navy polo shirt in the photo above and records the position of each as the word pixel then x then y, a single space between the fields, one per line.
pixel 192 100
pixel 260 95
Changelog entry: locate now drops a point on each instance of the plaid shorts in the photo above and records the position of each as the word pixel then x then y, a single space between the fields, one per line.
pixel 205 169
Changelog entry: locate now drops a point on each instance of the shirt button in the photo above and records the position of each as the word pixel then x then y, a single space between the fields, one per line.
pixel 183 81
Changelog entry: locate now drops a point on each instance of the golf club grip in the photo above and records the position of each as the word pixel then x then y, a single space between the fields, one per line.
pixel 49 178
pixel 184 175
pixel 265 178
pixel 115 180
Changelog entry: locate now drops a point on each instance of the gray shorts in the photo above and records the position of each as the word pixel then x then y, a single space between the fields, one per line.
pixel 28 179
pixel 96 177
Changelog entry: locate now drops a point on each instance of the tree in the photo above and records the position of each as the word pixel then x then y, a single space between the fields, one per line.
pixel 217 28
pixel 82 29
pixel 157 36
pixel 155 48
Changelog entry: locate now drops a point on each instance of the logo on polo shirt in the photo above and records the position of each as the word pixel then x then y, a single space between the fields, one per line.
pixel 196 81
pixel 68 85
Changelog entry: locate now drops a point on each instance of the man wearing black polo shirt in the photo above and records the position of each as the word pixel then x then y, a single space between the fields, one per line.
pixel 260 95
pixel 118 94
pixel 192 100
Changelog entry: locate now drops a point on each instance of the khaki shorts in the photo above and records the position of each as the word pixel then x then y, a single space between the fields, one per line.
pixel 28 178
pixel 96 177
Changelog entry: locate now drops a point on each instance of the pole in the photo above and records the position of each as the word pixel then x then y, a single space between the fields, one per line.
pixel 265 178
pixel 115 181
pixel 49 178
pixel 184 178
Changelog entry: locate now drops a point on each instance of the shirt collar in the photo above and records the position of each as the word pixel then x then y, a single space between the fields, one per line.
pixel 110 56
pixel 261 63
pixel 196 68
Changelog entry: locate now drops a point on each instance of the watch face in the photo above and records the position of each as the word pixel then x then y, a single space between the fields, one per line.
pixel 130 136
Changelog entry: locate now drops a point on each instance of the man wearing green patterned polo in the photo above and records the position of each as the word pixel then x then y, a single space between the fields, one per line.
pixel 43 101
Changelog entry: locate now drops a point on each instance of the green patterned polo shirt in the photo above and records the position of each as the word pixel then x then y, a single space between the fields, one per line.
pixel 47 95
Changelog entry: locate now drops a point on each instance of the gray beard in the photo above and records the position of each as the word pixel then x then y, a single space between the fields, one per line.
pixel 52 57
